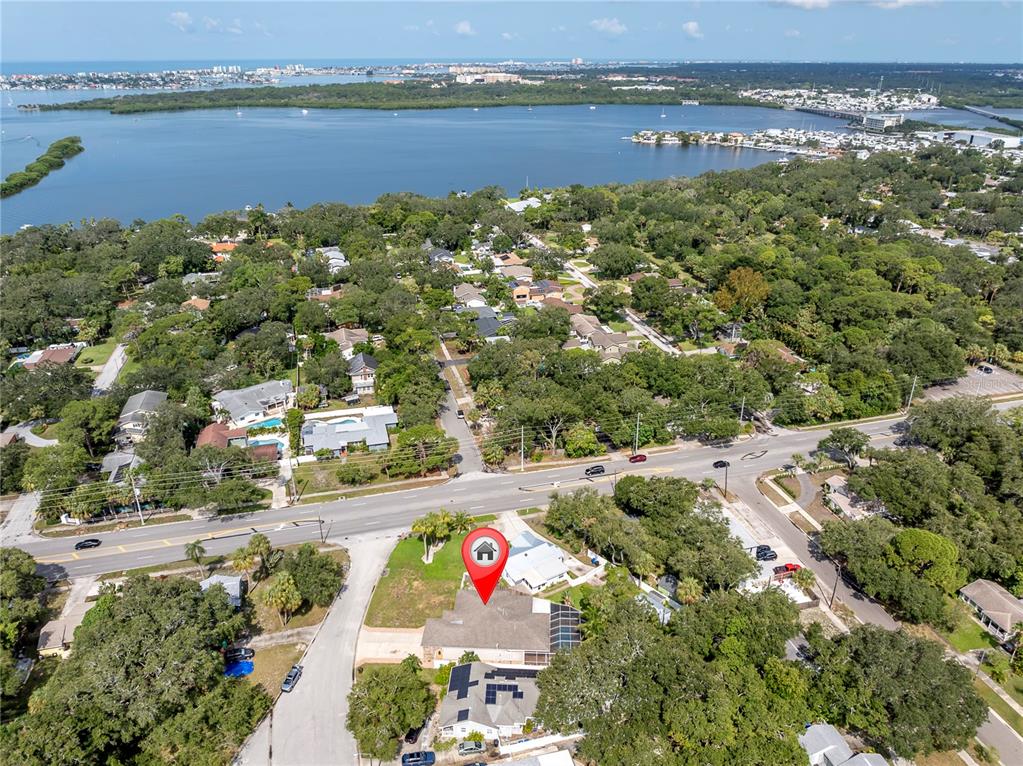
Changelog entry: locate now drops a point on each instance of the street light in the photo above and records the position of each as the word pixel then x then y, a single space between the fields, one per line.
pixel 723 464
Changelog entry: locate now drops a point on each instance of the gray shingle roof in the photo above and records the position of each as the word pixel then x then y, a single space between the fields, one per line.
pixel 247 402
pixel 506 622
pixel 362 360
pixel 140 405
pixel 481 693
pixel 1000 606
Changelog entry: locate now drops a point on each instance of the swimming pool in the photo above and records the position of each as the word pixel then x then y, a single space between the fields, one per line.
pixel 271 423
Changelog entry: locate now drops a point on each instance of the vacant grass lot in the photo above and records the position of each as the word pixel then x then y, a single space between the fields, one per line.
pixel 96 355
pixel 969 635
pixel 271 664
pixel 412 591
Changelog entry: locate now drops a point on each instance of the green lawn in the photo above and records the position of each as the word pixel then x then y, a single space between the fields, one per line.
pixel 969 635
pixel 96 355
pixel 271 664
pixel 130 366
pixel 620 326
pixel 412 591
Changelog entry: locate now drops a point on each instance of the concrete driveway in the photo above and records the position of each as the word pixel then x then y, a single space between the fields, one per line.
pixel 24 432
pixel 110 371
pixel 307 725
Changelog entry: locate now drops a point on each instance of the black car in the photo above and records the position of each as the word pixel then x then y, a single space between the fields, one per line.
pixel 413 735
pixel 92 542
pixel 767 555
pixel 241 653
pixel 292 678
pixel 594 470
pixel 985 369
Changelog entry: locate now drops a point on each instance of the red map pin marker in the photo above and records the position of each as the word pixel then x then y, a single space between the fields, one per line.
pixel 485 552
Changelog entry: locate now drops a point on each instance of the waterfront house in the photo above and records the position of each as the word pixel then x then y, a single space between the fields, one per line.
pixel 363 369
pixel 250 407
pixel 366 426
pixel 496 702
pixel 135 415
pixel 996 609
pixel 520 206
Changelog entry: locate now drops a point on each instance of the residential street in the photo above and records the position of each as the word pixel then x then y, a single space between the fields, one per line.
pixel 469 453
pixel 308 724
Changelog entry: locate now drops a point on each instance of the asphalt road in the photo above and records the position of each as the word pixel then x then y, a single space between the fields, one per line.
pixel 476 493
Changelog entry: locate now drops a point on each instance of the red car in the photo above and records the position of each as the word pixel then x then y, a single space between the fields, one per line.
pixel 637 459
pixel 787 569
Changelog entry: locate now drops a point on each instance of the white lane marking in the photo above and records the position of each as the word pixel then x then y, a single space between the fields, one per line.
pixel 371 523
pixel 145 558
pixel 477 507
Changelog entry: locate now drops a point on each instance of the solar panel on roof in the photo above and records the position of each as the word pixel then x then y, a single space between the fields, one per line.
pixel 463 715
pixel 459 682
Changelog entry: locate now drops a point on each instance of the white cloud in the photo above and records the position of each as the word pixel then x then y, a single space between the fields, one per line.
pixel 261 28
pixel 211 25
pixel 181 20
pixel 792 33
pixel 806 5
pixel 612 27
pixel 236 27
pixel 508 35
pixel 464 28
pixel 559 28
pixel 692 29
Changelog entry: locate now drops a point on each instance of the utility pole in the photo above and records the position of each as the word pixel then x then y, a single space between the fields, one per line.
pixel 135 495
pixel 834 589
pixel 522 448
pixel 912 390
pixel 742 410
pixel 635 443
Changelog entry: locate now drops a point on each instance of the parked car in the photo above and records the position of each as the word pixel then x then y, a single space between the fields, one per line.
pixel 413 735
pixel 422 758
pixel 241 653
pixel 637 459
pixel 985 369
pixel 470 747
pixel 767 555
pixel 594 470
pixel 92 542
pixel 786 569
pixel 461 415
pixel 292 678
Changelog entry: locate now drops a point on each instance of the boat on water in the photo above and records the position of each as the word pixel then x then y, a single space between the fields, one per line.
pixel 592 108
pixel 663 115
pixel 475 108
pixel 305 111
pixel 238 114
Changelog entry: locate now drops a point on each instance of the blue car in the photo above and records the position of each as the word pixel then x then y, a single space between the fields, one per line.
pixel 422 758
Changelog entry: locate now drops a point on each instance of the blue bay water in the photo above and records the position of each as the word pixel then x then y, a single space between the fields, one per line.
pixel 194 163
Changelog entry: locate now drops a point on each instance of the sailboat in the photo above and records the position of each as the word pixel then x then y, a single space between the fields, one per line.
pixel 663 115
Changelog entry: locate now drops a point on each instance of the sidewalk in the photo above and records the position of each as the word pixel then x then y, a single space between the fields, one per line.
pixel 17 527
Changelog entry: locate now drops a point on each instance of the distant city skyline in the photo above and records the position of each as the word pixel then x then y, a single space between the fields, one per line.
pixel 968 31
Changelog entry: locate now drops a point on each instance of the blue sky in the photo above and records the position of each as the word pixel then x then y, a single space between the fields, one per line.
pixel 280 32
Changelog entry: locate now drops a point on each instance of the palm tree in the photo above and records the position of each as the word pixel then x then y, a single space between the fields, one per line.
pixel 259 545
pixel 688 591
pixel 460 523
pixel 425 528
pixel 195 552
pixel 805 579
pixel 243 561
pixel 798 460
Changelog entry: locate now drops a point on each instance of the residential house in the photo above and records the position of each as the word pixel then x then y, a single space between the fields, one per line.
pixel 731 349
pixel 56 636
pixel 520 206
pixel 545 289
pixel 189 280
pixel 220 435
pixel 513 629
pixel 253 406
pixel 612 346
pixel 222 250
pixel 56 354
pixel 347 338
pixel 231 584
pixel 534 563
pixel 333 257
pixel 825 746
pixel 496 702
pixel 508 259
pixel 469 295
pixel 7 438
pixel 366 426
pixel 521 293
pixel 488 323
pixel 363 370
pixel 118 463
pixel 135 415
pixel 438 255
pixel 997 609
pixel 674 283
pixel 584 325
pixel 560 303
pixel 516 273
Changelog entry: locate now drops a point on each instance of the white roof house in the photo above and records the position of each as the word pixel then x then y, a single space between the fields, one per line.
pixel 520 206
pixel 366 425
pixel 534 563
pixel 247 406
pixel 825 746
pixel 233 586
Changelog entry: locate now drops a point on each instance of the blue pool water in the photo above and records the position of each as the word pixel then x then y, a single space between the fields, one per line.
pixel 271 423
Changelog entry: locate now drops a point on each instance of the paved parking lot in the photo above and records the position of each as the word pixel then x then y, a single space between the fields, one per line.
pixel 998 382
